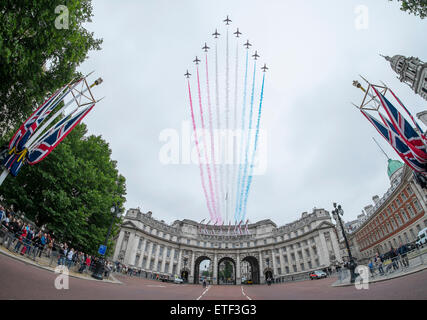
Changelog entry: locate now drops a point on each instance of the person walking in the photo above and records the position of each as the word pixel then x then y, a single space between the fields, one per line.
pixel 70 258
pixel 371 268
pixel 403 252
pixel 379 264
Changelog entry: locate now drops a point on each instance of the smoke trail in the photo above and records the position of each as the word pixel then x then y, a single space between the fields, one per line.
pixel 215 171
pixel 255 148
pixel 227 127
pixel 247 143
pixel 234 168
pixel 202 177
pixel 241 139
pixel 218 118
pixel 206 149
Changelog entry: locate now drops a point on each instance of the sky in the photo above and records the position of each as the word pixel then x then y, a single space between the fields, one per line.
pixel 319 148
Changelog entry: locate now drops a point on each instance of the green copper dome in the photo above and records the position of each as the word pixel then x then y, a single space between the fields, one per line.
pixel 393 166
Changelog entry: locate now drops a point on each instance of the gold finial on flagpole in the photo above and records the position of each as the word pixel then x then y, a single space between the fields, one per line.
pixel 96 83
pixel 358 85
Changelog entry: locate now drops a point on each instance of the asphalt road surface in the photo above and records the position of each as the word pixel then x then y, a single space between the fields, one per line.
pixel 22 281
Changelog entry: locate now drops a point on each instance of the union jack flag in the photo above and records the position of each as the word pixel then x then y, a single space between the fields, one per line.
pixel 246 227
pixel 55 135
pixel 390 134
pixel 403 128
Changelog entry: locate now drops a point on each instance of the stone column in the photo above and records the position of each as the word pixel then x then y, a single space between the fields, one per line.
pixel 131 250
pixel 261 269
pixel 273 257
pixel 179 266
pixel 162 268
pixel 215 270
pixel 156 258
pixel 144 244
pixel 323 250
pixel 191 276
pixel 282 261
pixel 238 276
pixel 118 245
pixel 172 260
pixel 150 248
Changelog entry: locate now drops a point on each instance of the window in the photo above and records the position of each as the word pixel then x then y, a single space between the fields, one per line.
pixel 307 252
pixel 299 255
pixel 403 195
pixel 137 259
pixel 417 206
pixel 411 212
pixel 295 268
pixel 279 271
pixel 398 202
pixel 403 213
pixel 287 269
pixel 286 258
pixel 168 252
pixel 293 256
pixel 310 265
pixel 302 266
pixel 140 244
pixel 409 190
pixel 154 248
pixel 188 241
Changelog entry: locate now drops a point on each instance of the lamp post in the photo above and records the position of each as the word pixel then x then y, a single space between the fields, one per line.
pixel 352 265
pixel 99 270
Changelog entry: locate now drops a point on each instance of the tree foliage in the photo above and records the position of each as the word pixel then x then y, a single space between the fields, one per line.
pixel 416 7
pixel 35 56
pixel 71 191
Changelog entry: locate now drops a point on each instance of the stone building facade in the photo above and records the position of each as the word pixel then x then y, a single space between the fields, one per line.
pixel 395 218
pixel 287 252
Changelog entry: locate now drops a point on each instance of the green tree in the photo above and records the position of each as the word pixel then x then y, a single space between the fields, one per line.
pixel 71 191
pixel 37 57
pixel 416 7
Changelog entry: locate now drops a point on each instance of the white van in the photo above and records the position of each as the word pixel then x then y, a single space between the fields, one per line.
pixel 422 237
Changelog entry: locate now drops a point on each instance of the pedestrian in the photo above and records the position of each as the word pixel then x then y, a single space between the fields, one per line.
pixel 371 268
pixel 403 252
pixel 70 255
pixel 379 264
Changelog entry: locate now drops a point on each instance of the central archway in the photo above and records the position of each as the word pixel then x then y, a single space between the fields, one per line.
pixel 226 271
pixel 252 273
pixel 205 273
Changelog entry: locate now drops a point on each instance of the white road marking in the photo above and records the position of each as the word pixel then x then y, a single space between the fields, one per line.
pixel 243 292
pixel 155 285
pixel 204 292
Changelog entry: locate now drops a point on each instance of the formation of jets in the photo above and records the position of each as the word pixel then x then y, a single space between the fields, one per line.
pixel 237 33
pixel 216 34
pixel 256 55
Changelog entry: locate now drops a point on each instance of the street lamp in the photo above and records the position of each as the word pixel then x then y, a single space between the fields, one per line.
pixel 99 270
pixel 352 265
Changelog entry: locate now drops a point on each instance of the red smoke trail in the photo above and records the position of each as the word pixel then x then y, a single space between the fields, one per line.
pixel 215 171
pixel 202 177
pixel 217 218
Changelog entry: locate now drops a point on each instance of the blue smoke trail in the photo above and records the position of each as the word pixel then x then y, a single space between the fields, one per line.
pixel 241 139
pixel 245 170
pixel 255 148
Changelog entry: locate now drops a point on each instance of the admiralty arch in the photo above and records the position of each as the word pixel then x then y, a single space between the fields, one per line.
pixel 156 248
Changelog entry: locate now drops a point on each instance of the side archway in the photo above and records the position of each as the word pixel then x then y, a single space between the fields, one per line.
pixel 253 272
pixel 197 263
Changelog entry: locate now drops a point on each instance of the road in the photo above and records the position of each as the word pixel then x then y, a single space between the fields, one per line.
pixel 19 280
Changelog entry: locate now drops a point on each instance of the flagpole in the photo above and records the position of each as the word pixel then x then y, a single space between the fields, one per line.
pixel 3 176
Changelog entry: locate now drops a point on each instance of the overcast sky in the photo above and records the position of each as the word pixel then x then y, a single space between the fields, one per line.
pixel 320 148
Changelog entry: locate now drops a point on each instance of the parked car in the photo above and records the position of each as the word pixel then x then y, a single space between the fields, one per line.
pixel 178 280
pixel 422 237
pixel 318 274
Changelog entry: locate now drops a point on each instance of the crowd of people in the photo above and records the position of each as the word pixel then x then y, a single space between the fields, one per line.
pixel 392 260
pixel 27 240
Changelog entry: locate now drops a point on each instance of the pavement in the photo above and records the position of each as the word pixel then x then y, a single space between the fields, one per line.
pixel 23 281
pixel 417 263
pixel 43 264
